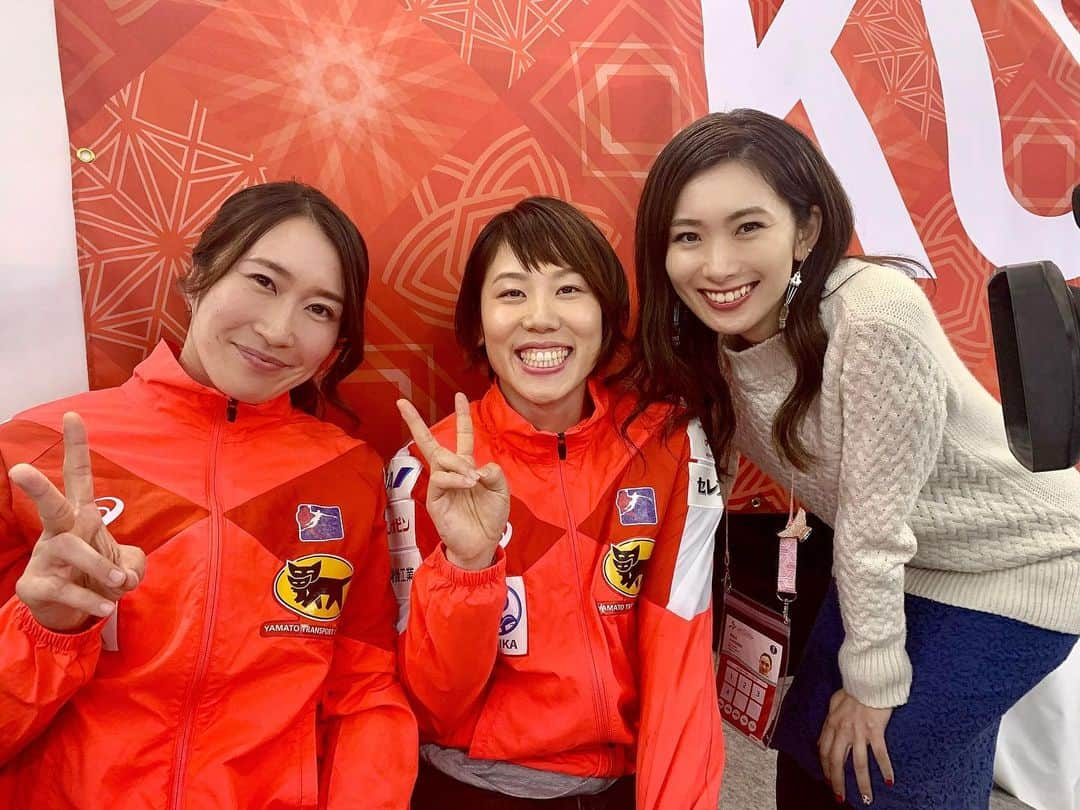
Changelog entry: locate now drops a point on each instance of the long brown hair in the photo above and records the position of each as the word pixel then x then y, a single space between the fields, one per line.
pixel 546 230
pixel 241 222
pixel 691 373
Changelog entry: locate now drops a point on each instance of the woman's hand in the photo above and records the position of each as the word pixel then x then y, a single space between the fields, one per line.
pixel 469 507
pixel 76 569
pixel 851 726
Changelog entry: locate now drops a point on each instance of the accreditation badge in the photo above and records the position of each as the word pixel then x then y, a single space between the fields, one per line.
pixel 752 678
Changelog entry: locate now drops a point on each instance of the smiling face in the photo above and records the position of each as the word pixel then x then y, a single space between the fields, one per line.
pixel 272 319
pixel 542 332
pixel 731 245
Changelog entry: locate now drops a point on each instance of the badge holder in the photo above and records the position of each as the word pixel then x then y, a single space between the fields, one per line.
pixel 755 642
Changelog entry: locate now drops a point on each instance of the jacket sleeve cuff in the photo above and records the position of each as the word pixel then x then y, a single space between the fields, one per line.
pixel 83 641
pixel 444 569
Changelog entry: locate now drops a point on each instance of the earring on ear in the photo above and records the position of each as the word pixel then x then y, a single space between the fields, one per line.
pixel 792 288
pixel 676 332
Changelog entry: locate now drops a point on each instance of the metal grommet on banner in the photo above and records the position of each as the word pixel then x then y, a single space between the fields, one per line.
pixel 85 154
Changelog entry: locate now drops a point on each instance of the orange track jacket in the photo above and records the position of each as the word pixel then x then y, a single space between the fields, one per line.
pixel 586 648
pixel 263 630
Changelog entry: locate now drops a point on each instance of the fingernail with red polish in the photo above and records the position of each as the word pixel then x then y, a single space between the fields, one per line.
pixel 839 799
pixel 889 782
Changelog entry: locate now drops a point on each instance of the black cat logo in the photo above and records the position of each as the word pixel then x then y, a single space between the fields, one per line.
pixel 314 586
pixel 310 587
pixel 624 564
pixel 628 564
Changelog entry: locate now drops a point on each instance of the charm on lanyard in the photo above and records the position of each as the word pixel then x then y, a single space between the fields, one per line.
pixel 790 536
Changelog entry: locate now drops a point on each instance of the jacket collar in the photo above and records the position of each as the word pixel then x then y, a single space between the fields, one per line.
pixel 511 432
pixel 161 378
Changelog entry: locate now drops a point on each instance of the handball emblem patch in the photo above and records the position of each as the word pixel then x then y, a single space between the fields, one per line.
pixel 637 506
pixel 317 524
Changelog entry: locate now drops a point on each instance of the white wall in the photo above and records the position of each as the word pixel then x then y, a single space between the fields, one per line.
pixel 42 348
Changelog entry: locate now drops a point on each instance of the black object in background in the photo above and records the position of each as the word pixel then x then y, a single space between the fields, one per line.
pixel 1035 320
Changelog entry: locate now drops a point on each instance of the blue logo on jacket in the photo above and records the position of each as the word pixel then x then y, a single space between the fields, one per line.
pixel 511 612
pixel 401 475
pixel 637 506
pixel 318 524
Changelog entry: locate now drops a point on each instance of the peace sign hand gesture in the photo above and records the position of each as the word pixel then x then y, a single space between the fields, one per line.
pixel 469 507
pixel 76 569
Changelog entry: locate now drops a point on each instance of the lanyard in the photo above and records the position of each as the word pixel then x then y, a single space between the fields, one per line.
pixel 793 533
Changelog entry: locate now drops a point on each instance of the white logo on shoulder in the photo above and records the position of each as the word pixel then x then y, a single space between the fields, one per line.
pixel 110 509
pixel 514 623
pixel 703 489
pixel 699 444
pixel 401 475
pixel 401 524
pixel 403 566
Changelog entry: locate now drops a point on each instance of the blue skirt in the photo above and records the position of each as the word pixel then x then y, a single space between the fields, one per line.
pixel 969 668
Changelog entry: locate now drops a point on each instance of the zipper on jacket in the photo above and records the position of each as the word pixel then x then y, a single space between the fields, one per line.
pixel 191 702
pixel 230 410
pixel 599 695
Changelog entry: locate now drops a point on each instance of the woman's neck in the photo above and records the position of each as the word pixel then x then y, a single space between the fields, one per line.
pixel 556 417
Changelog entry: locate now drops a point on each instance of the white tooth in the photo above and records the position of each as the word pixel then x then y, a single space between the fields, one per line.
pixel 730 296
pixel 544 358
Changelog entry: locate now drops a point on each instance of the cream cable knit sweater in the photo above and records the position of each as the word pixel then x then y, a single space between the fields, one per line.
pixel 915 476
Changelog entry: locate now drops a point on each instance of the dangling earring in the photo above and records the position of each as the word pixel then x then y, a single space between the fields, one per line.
pixel 676 332
pixel 792 288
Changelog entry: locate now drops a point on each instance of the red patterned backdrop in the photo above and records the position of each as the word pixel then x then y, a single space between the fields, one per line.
pixel 423 117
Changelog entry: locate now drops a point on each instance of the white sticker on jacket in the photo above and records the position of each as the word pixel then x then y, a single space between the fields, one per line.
pixel 703 489
pixel 514 624
pixel 401 524
pixel 403 565
pixel 401 475
pixel 699 444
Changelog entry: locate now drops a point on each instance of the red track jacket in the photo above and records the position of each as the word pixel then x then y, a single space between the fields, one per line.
pixel 586 648
pixel 264 628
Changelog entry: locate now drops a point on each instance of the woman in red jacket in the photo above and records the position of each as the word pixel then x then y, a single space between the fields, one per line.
pixel 556 637
pixel 194 567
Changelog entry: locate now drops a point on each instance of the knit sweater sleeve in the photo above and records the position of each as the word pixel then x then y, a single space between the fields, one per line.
pixel 893 393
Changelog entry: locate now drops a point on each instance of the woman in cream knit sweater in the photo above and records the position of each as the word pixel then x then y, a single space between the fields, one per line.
pixel 957 572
